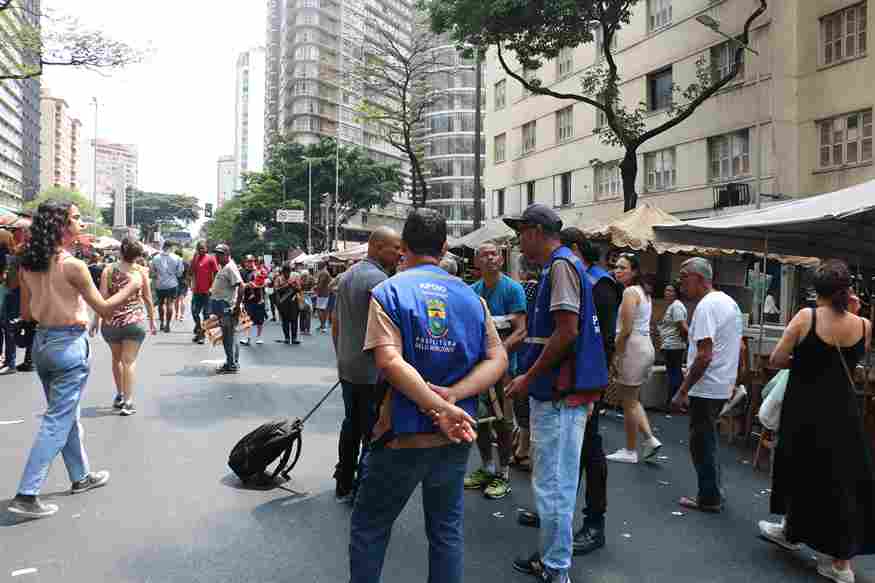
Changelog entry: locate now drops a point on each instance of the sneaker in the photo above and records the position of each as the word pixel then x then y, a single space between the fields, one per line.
pixel 478 479
pixel 225 369
pixel 117 402
pixel 529 566
pixel 529 518
pixel 4 370
pixel 828 570
pixel 623 456
pixel 259 341
pixel 498 488
pixel 244 341
pixel 31 507
pixel 296 341
pixel 25 367
pixel 588 540
pixel 201 340
pixel 90 482
pixel 774 532
pixel 128 409
pixel 649 448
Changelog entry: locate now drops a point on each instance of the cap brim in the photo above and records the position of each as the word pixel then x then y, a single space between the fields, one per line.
pixel 514 222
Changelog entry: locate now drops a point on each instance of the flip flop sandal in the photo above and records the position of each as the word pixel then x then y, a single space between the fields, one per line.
pixel 693 504
pixel 522 463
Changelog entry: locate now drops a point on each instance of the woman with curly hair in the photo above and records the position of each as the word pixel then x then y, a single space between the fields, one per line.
pixel 55 290
pixel 125 331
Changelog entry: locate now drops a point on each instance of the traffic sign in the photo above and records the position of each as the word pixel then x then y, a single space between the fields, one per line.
pixel 289 216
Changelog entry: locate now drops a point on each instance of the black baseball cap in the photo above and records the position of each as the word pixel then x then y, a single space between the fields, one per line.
pixel 536 215
pixel 222 248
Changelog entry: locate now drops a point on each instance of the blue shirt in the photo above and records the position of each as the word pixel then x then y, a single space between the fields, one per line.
pixel 506 298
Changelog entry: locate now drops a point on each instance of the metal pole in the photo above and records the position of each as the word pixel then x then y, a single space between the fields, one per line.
pixel 310 207
pixel 336 193
pixel 284 197
pixel 94 176
pixel 133 205
pixel 763 302
pixel 478 90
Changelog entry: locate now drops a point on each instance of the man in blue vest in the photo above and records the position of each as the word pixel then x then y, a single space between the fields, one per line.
pixel 436 349
pixel 565 374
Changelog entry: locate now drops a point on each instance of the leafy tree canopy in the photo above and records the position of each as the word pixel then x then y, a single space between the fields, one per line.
pixel 60 193
pixel 157 211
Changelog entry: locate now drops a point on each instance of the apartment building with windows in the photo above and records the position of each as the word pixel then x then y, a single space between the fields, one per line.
pixel 448 140
pixel 117 173
pixel 226 172
pixel 312 47
pixel 249 114
pixel 60 144
pixel 797 120
pixel 19 111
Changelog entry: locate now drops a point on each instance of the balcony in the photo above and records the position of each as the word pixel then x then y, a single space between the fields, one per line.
pixel 731 194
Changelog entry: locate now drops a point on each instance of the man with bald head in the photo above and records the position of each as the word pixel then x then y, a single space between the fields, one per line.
pixel 356 368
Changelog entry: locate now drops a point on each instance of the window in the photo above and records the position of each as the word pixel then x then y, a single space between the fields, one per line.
pixel 500 147
pixel 529 142
pixel 500 94
pixel 564 124
pixel 608 183
pixel 530 193
pixel 565 189
pixel 846 139
pixel 730 155
pixel 723 61
pixel 499 202
pixel 565 62
pixel 659 169
pixel 659 90
pixel 658 14
pixel 844 34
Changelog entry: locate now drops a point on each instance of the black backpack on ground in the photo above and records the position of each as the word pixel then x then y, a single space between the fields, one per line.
pixel 258 449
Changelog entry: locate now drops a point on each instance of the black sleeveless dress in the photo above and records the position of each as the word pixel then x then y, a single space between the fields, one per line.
pixel 823 477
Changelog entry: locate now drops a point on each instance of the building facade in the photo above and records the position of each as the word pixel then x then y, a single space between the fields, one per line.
pixel 796 121
pixel 60 144
pixel 313 46
pixel 448 140
pixel 249 119
pixel 117 172
pixel 226 179
pixel 19 110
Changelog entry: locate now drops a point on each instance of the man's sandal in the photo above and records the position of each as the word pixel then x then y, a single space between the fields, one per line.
pixel 693 504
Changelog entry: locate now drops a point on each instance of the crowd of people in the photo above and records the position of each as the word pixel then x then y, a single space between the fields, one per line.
pixel 430 365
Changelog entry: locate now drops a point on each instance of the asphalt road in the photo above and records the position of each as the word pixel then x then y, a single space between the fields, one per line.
pixel 173 512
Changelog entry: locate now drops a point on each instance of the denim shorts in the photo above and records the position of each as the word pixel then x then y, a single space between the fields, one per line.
pixel 131 332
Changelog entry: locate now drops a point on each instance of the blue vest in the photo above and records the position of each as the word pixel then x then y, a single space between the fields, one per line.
pixel 589 371
pixel 596 273
pixel 443 331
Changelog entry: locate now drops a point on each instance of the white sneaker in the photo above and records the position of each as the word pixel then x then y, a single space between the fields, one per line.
pixel 774 532
pixel 259 341
pixel 244 341
pixel 828 570
pixel 650 447
pixel 623 456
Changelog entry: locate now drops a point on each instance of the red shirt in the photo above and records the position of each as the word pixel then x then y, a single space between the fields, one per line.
pixel 204 269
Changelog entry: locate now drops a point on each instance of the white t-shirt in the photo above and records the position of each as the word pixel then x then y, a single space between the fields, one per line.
pixel 717 317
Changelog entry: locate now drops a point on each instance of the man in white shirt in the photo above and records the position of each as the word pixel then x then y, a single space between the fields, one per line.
pixel 168 269
pixel 715 345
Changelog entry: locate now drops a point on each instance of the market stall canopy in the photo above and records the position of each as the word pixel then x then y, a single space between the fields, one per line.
pixel 355 253
pixel 106 243
pixel 838 224
pixel 494 231
pixel 305 259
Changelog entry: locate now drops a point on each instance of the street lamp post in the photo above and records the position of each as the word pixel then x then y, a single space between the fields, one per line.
pixel 94 175
pixel 310 206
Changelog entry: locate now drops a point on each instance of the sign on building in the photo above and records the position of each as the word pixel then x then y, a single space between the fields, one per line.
pixel 289 216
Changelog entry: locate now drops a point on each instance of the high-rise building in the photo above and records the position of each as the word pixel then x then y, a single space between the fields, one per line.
pixel 448 139
pixel 313 46
pixel 19 110
pixel 796 121
pixel 249 113
pixel 60 144
pixel 117 171
pixel 226 176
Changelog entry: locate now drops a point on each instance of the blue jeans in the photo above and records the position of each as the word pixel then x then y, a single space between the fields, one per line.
pixel 557 438
pixel 200 308
pixel 360 410
pixel 228 324
pixel 61 358
pixel 393 475
pixel 704 447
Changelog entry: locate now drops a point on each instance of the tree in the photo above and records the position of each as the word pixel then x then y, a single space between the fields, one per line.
pixel 156 211
pixel 398 80
pixel 60 193
pixel 59 41
pixel 539 31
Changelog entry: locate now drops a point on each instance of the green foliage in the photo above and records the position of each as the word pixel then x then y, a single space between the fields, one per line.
pixel 156 211
pixel 59 193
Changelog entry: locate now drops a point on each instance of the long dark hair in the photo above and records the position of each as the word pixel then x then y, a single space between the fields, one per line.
pixel 645 280
pixel 832 281
pixel 131 249
pixel 46 234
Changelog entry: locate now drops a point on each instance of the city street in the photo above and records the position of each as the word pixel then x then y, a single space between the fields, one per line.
pixel 173 512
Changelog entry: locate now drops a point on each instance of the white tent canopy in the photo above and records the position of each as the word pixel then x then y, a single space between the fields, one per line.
pixel 838 224
pixel 493 231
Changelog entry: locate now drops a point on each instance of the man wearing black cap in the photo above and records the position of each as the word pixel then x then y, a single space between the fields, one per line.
pixel 226 298
pixel 565 373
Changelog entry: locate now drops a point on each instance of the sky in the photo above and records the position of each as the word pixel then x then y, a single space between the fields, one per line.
pixel 177 107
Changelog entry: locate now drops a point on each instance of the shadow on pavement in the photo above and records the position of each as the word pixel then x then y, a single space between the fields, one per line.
pixel 95 412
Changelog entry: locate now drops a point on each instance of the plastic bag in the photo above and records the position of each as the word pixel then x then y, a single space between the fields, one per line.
pixel 770 411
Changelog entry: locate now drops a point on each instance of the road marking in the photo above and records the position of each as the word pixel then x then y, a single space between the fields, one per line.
pixel 28 571
pixel 16 422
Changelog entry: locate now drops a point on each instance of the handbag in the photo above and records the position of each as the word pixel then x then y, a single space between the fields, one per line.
pixel 23 330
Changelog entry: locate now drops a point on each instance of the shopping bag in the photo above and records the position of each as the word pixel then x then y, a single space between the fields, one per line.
pixel 770 411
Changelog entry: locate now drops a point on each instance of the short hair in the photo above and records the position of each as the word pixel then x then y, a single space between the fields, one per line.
pixel 425 232
pixel 700 266
pixel 449 265
pixel 131 249
pixel 168 245
pixel 482 245
pixel 832 281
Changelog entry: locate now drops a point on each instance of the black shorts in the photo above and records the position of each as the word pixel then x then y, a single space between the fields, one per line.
pixel 167 294
pixel 256 313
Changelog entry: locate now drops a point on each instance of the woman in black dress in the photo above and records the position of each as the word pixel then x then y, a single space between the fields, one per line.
pixel 823 481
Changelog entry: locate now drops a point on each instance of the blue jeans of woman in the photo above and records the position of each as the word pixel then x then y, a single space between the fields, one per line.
pixel 557 438
pixel 61 358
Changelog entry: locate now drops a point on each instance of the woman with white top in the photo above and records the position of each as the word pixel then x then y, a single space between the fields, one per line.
pixel 633 359
pixel 673 333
